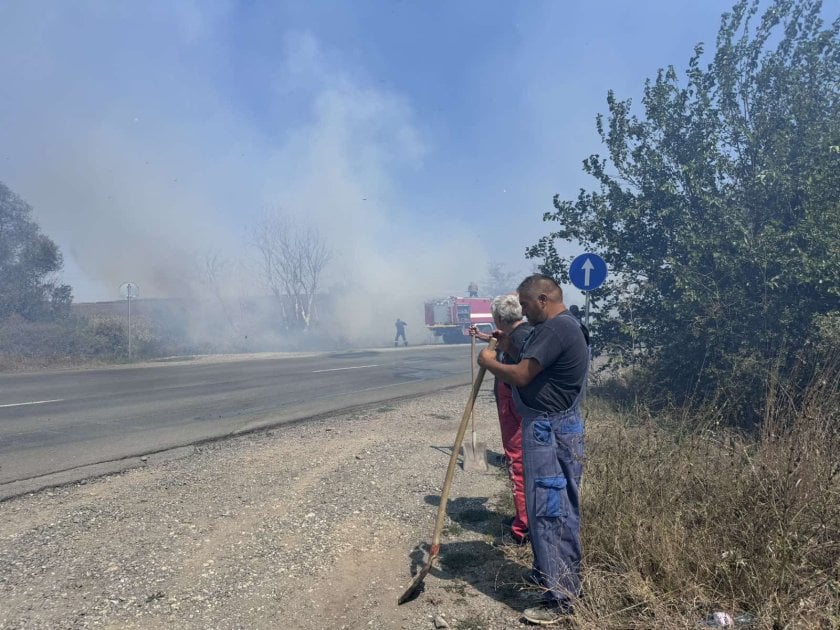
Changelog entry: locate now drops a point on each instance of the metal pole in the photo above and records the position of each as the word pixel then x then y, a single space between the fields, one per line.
pixel 589 350
pixel 586 308
pixel 129 322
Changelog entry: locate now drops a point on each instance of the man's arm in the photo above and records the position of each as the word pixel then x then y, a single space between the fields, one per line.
pixel 518 374
pixel 475 332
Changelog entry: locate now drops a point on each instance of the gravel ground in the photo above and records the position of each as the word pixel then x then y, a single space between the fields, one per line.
pixel 308 526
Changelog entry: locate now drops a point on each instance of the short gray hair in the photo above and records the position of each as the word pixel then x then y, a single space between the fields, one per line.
pixel 506 309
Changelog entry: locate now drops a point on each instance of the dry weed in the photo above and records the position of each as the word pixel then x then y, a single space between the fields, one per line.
pixel 683 517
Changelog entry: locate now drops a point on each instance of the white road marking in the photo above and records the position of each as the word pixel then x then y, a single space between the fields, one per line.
pixel 34 402
pixel 352 367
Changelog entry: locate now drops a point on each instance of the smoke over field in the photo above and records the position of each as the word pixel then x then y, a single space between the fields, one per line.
pixel 141 163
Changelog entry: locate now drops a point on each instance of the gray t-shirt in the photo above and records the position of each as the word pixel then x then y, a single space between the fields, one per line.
pixel 559 346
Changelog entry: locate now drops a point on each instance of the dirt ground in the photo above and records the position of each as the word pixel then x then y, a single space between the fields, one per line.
pixel 307 526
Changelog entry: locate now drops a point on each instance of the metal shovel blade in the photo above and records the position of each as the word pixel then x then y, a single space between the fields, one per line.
pixel 475 456
pixel 475 453
pixel 414 587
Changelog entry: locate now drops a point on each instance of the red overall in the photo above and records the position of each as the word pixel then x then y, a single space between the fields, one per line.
pixel 510 423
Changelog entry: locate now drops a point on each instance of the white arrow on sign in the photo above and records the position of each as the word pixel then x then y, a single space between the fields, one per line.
pixel 587 267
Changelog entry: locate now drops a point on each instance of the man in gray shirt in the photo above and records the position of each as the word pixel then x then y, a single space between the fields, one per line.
pixel 548 385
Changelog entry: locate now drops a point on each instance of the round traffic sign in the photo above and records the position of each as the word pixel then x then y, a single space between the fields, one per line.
pixel 588 272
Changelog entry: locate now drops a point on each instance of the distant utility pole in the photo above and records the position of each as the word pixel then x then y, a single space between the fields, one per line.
pixel 129 291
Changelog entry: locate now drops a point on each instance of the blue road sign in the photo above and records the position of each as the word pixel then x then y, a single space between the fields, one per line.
pixel 588 272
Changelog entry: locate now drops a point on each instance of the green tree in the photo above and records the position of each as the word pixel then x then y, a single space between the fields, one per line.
pixel 718 209
pixel 29 261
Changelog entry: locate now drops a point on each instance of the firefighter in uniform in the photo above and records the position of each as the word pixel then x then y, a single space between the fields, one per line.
pixel 400 325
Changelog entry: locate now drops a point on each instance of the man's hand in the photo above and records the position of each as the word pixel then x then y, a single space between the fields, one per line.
pixel 486 356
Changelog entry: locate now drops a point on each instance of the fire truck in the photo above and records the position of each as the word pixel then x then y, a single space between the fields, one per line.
pixel 450 318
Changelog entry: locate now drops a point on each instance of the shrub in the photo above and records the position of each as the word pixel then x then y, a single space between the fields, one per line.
pixel 683 516
pixel 73 340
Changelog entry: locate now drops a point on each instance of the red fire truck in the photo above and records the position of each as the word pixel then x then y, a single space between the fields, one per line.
pixel 450 318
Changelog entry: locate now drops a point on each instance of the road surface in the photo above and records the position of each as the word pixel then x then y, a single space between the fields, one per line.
pixel 58 427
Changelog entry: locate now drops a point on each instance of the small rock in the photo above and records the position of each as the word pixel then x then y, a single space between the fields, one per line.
pixel 440 622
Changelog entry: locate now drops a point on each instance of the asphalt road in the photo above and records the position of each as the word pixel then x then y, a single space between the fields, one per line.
pixel 58 427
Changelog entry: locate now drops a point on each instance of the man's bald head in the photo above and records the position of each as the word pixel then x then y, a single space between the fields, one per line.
pixel 541 298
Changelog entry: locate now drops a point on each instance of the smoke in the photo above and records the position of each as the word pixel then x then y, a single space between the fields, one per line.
pixel 139 158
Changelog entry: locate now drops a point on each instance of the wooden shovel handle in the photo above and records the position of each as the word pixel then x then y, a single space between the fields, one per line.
pixel 453 459
pixel 472 378
pixel 447 485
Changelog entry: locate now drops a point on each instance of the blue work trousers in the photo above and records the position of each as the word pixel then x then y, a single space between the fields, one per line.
pixel 552 452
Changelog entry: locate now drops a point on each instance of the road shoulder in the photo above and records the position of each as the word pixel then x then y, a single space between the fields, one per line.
pixel 308 526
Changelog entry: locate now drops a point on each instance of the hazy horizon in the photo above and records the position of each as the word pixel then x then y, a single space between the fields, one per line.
pixel 424 143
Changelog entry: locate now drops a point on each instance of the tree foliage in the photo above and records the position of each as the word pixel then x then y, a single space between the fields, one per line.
pixel 29 261
pixel 718 208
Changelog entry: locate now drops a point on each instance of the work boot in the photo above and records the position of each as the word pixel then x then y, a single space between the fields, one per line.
pixel 547 614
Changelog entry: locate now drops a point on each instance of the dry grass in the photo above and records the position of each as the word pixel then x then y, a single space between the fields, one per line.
pixel 683 517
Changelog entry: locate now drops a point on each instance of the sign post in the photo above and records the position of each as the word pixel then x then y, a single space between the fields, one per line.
pixel 129 291
pixel 588 272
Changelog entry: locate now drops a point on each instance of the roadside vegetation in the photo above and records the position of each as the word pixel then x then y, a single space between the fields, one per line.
pixel 73 340
pixel 684 516
pixel 712 479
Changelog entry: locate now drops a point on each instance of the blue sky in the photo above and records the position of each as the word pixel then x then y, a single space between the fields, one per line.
pixel 424 139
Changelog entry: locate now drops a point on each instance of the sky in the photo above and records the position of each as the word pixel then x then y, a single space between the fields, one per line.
pixel 424 139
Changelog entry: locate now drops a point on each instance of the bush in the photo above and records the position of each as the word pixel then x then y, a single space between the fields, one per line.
pixel 683 516
pixel 73 340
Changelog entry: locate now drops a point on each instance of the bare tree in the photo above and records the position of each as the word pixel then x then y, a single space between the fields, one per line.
pixel 291 259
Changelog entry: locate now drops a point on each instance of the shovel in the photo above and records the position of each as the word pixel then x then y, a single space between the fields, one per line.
pixel 447 486
pixel 475 453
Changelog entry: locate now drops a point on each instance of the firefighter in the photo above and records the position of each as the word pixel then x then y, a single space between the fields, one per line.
pixel 400 325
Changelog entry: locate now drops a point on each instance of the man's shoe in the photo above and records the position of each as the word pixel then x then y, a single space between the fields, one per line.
pixel 547 614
